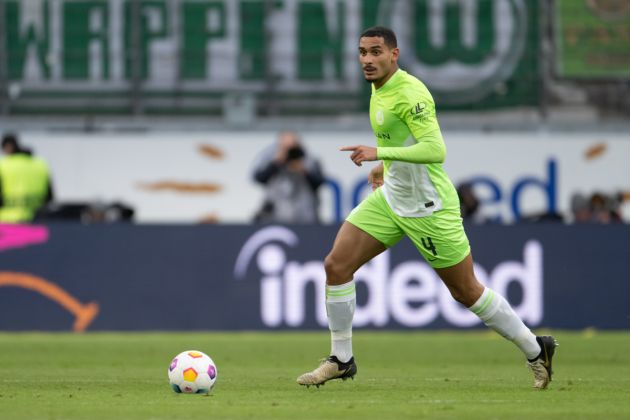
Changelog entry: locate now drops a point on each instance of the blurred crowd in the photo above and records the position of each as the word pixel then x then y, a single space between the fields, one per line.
pixel 596 208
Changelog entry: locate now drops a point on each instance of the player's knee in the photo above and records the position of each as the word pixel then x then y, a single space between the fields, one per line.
pixel 336 272
pixel 457 294
pixel 463 295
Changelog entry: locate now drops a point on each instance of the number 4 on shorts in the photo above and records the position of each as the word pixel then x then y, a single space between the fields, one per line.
pixel 428 245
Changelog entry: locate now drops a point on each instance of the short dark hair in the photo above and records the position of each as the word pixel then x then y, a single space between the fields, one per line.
pixel 10 139
pixel 387 34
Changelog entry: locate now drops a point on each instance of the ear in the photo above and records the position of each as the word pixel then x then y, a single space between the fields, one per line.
pixel 395 54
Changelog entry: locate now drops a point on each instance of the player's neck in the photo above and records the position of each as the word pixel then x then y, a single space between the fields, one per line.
pixel 380 83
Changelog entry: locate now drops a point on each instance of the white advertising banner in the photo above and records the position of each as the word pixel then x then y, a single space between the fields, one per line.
pixel 188 177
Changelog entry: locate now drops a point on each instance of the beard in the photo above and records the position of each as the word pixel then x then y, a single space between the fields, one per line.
pixel 370 79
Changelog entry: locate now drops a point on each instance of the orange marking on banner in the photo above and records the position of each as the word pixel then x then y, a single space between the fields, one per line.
pixel 595 151
pixel 210 151
pixel 182 187
pixel 209 218
pixel 83 314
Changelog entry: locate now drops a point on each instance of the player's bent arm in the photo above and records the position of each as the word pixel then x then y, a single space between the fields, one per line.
pixel 429 149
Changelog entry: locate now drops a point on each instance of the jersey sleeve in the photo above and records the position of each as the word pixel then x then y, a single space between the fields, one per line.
pixel 429 149
pixel 417 111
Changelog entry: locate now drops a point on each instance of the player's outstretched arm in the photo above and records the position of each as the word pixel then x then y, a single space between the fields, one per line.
pixel 361 153
pixel 429 149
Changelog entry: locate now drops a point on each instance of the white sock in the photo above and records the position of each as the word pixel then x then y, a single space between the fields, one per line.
pixel 497 314
pixel 340 303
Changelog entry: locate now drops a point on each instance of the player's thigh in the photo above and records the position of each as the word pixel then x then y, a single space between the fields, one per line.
pixel 352 248
pixel 461 281
pixel 374 217
pixel 368 231
pixel 440 238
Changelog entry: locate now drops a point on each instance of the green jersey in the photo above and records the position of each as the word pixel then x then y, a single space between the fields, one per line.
pixel 24 185
pixel 410 144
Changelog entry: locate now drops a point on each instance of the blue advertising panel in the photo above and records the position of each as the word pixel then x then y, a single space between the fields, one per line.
pixel 125 277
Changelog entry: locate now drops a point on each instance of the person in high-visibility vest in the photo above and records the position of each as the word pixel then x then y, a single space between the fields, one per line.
pixel 25 185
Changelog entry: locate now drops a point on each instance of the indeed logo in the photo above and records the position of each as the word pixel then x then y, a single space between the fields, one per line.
pixel 410 293
pixel 492 194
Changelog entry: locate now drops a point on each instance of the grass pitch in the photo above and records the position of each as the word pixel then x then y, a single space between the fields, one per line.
pixel 471 375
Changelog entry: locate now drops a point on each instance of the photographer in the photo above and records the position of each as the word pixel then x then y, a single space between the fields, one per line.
pixel 291 179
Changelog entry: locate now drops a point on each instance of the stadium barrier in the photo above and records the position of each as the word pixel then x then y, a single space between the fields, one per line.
pixel 209 277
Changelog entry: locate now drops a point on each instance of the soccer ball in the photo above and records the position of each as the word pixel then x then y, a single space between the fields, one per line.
pixel 192 372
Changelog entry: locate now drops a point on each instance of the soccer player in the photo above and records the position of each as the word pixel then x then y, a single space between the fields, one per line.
pixel 413 196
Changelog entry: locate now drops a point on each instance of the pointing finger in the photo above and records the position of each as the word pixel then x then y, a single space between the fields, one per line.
pixel 349 148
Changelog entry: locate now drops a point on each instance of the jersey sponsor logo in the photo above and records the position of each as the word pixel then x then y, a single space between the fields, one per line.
pixel 382 136
pixel 491 40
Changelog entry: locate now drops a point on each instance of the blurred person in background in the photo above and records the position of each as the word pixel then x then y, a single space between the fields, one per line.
pixel 580 208
pixel 604 209
pixel 291 179
pixel 599 208
pixel 469 204
pixel 25 186
pixel 412 196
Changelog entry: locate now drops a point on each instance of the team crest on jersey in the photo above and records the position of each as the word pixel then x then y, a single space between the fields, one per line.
pixel 380 117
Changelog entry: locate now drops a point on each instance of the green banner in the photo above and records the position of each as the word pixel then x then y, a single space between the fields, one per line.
pixel 593 38
pixel 300 56
pixel 472 54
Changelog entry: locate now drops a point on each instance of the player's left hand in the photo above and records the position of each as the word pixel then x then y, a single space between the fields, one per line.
pixel 360 153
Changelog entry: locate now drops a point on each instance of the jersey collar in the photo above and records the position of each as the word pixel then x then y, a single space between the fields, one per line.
pixel 389 84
